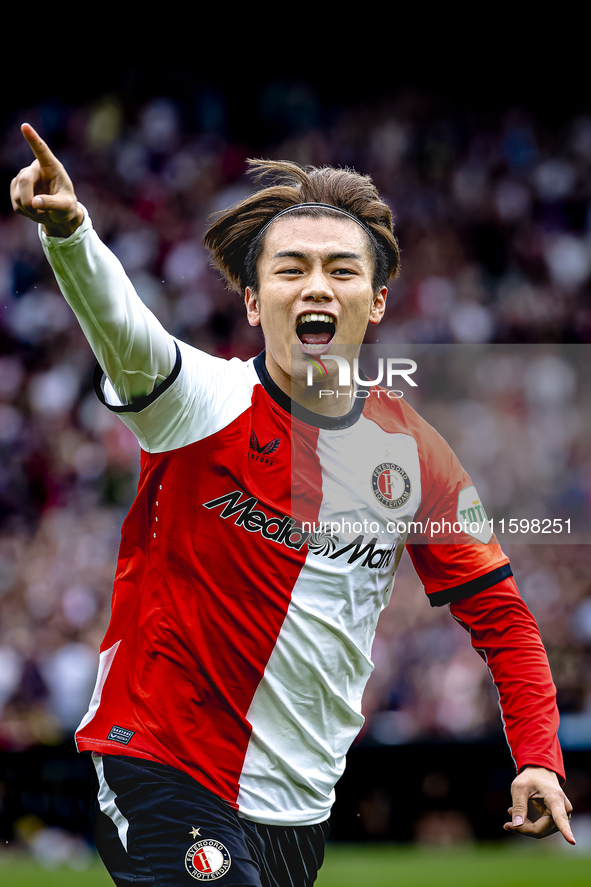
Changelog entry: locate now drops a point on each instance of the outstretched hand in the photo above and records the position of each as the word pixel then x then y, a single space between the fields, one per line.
pixel 539 789
pixel 44 191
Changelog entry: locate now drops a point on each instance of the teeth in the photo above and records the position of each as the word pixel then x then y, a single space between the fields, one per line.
pixel 324 318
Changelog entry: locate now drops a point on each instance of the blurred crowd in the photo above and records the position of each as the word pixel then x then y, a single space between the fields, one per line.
pixel 493 214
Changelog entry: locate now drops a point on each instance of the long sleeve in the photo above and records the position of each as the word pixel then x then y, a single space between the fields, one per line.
pixel 132 347
pixel 505 634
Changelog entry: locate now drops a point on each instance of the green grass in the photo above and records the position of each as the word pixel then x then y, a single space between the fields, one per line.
pixel 383 866
pixel 380 866
pixel 26 873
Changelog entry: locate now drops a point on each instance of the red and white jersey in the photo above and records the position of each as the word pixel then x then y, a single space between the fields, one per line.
pixel 240 641
pixel 241 632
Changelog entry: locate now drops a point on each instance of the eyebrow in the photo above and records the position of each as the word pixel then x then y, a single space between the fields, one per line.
pixel 296 254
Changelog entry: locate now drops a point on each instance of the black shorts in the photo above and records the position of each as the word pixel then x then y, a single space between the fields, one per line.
pixel 156 826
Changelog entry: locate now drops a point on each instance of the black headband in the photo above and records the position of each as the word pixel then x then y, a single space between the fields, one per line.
pixel 335 209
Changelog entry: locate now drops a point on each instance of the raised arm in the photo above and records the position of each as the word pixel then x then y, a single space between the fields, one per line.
pixel 130 344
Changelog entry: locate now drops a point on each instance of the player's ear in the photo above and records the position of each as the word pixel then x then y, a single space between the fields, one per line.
pixel 378 306
pixel 252 307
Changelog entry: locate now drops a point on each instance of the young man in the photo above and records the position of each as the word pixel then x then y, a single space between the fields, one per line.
pixel 231 675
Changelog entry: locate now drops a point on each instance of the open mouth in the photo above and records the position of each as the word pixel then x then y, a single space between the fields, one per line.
pixel 316 331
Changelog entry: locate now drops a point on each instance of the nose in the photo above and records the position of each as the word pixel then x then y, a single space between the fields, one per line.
pixel 317 287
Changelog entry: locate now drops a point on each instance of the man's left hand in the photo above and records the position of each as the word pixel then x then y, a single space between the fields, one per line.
pixel 539 787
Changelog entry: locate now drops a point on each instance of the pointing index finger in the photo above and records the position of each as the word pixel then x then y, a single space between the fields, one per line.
pixel 559 812
pixel 38 146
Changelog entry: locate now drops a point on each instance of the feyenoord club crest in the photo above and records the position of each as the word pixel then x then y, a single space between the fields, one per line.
pixel 207 860
pixel 391 485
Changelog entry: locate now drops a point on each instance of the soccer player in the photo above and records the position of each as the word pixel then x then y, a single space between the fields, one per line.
pixel 231 675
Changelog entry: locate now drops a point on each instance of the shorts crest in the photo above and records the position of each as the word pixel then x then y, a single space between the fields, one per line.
pixel 207 860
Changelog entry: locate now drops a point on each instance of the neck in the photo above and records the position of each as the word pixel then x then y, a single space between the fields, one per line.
pixel 325 396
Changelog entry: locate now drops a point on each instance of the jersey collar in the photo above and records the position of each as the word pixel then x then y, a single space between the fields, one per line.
pixel 316 420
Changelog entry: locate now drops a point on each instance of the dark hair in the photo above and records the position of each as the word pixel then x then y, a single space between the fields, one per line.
pixel 234 240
